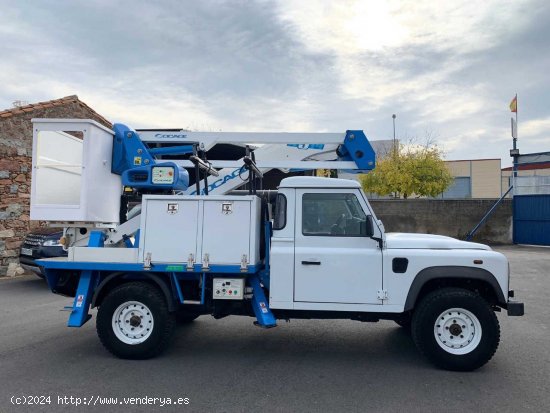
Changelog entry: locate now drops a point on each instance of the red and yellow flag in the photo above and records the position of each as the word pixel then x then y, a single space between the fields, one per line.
pixel 514 104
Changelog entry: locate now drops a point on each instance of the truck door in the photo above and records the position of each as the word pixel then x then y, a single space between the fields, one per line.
pixel 335 262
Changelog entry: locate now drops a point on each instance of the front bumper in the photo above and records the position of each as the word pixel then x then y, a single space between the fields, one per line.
pixel 27 261
pixel 28 264
pixel 32 268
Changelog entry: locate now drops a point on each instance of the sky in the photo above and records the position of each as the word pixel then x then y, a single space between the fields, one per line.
pixel 447 69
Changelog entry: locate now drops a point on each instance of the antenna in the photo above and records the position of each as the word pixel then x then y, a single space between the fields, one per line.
pixel 19 103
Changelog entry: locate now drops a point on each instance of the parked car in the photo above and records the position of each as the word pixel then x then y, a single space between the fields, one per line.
pixel 40 243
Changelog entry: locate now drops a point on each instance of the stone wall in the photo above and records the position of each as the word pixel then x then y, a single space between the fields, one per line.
pixel 15 173
pixel 454 218
pixel 15 181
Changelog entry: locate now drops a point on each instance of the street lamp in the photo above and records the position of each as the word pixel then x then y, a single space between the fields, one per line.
pixel 394 142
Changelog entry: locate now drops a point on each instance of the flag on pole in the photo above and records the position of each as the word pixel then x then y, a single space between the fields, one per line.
pixel 514 104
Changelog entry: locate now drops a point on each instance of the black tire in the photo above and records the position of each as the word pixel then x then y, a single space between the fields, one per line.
pixel 426 324
pixel 163 322
pixel 185 317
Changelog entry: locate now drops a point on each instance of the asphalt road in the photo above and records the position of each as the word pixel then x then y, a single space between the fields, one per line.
pixel 230 365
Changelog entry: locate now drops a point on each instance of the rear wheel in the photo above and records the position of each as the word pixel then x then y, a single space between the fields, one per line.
pixel 133 321
pixel 456 329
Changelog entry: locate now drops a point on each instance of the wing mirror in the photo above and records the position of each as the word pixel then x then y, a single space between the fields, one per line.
pixel 368 227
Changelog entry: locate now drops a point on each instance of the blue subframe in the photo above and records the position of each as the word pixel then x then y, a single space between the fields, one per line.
pixel 177 286
pixel 87 283
pixel 90 277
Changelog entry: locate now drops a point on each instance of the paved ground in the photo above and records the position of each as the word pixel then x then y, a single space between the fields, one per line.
pixel 229 365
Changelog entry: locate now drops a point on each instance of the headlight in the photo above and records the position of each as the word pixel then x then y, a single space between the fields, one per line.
pixel 51 243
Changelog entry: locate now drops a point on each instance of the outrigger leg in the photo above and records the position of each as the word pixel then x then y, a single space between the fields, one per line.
pixel 264 316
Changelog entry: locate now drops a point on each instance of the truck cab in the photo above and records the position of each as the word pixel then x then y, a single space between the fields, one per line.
pixel 325 233
pixel 326 249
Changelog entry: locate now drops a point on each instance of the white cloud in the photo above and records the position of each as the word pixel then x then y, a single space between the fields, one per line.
pixel 343 27
pixel 371 40
pixel 535 129
pixel 349 27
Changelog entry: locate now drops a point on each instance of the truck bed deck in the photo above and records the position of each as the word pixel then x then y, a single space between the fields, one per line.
pixel 62 263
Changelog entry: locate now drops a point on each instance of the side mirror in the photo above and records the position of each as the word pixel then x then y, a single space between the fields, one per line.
pixel 367 229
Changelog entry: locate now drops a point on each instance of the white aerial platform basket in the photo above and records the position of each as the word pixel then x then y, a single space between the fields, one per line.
pixel 71 173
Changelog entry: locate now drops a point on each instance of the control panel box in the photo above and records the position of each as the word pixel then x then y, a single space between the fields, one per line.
pixel 228 288
pixel 205 231
pixel 163 174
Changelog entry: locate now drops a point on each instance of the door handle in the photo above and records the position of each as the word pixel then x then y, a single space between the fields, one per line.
pixel 311 262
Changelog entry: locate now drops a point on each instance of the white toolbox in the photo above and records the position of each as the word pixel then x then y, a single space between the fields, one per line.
pixel 206 230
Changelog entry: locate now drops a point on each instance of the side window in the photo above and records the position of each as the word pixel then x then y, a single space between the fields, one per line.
pixel 279 216
pixel 336 215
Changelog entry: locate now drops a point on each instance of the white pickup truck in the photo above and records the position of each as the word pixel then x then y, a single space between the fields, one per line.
pixel 322 254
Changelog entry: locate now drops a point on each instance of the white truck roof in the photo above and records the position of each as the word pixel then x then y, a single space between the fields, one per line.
pixel 317 182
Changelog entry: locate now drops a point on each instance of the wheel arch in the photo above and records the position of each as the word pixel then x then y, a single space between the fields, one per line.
pixel 474 279
pixel 118 278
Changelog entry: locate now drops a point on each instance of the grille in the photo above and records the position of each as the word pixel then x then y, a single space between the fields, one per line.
pixel 35 240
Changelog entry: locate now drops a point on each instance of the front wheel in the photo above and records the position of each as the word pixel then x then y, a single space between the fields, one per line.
pixel 133 321
pixel 456 329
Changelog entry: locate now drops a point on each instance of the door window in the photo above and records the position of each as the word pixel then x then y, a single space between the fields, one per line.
pixel 333 214
pixel 279 217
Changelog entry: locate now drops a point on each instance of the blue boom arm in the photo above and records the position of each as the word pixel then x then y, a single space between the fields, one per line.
pixel 357 148
pixel 137 165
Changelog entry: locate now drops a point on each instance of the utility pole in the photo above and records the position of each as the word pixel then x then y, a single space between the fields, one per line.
pixel 394 150
pixel 514 153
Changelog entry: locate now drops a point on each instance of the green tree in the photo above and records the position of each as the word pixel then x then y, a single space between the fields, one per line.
pixel 407 171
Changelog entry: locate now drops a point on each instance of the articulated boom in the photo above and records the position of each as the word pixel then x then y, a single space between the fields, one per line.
pixel 284 151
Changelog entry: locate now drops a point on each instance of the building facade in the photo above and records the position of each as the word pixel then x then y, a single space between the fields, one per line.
pixel 474 178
